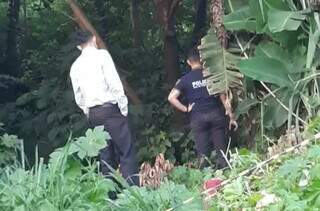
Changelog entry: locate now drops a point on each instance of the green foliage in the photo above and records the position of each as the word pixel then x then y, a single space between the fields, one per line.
pixel 219 65
pixel 64 184
pixel 240 19
pixel 9 149
pixel 274 114
pixel 279 40
pixel 314 126
pixel 91 143
pixel 245 105
pixel 86 146
pixel 294 181
pixel 47 112
pixel 168 195
pixel 169 143
pixel 284 20
pixel 192 178
pixel 270 70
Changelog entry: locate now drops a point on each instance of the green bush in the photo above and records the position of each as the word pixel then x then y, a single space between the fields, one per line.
pixel 63 184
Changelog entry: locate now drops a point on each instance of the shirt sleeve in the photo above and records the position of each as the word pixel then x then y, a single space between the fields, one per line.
pixel 114 83
pixel 180 85
pixel 77 93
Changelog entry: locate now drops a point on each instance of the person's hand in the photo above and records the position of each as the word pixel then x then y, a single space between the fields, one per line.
pixel 190 107
pixel 233 124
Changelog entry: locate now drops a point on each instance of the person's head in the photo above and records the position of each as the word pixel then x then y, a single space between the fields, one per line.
pixel 193 59
pixel 85 39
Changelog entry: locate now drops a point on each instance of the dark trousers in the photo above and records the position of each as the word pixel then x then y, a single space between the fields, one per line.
pixel 120 148
pixel 209 129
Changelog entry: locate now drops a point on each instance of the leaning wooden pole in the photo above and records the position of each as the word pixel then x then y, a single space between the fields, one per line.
pixel 84 24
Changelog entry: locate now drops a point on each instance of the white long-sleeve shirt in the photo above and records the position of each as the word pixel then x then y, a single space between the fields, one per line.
pixel 95 81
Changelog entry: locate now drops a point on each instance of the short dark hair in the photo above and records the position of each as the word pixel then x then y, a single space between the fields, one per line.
pixel 193 55
pixel 82 36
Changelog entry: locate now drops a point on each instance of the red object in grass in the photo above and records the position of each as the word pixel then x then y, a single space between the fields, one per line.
pixel 212 186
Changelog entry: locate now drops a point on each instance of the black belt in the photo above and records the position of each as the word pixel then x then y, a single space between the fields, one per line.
pixel 105 105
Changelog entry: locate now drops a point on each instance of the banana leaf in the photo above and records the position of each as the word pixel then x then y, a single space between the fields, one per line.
pixel 220 65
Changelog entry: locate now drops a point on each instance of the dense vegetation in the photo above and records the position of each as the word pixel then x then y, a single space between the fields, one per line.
pixel 264 54
pixel 287 183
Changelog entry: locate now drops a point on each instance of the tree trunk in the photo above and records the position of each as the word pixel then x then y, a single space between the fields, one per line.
pixel 165 15
pixel 217 20
pixel 12 63
pixel 171 54
pixel 135 23
pixel 200 22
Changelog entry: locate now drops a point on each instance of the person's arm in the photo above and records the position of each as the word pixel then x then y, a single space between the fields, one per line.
pixel 173 99
pixel 114 83
pixel 227 105
pixel 78 95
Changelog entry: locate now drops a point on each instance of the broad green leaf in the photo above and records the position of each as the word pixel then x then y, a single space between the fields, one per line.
pixel 92 143
pixel 284 20
pixel 259 9
pixel 271 50
pixel 89 148
pixel 56 158
pixel 276 4
pixel 245 105
pixel 219 65
pixel 274 114
pixel 292 168
pixel 293 60
pixel 289 39
pixel 292 204
pixel 234 190
pixel 73 169
pixel 236 5
pixel 240 20
pixel 267 70
pixel 86 146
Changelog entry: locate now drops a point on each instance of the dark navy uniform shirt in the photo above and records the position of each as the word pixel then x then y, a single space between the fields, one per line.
pixel 193 87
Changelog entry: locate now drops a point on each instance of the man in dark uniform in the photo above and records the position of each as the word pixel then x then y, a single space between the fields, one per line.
pixel 207 113
pixel 99 93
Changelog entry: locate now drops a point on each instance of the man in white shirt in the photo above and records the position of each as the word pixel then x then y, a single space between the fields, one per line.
pixel 99 93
